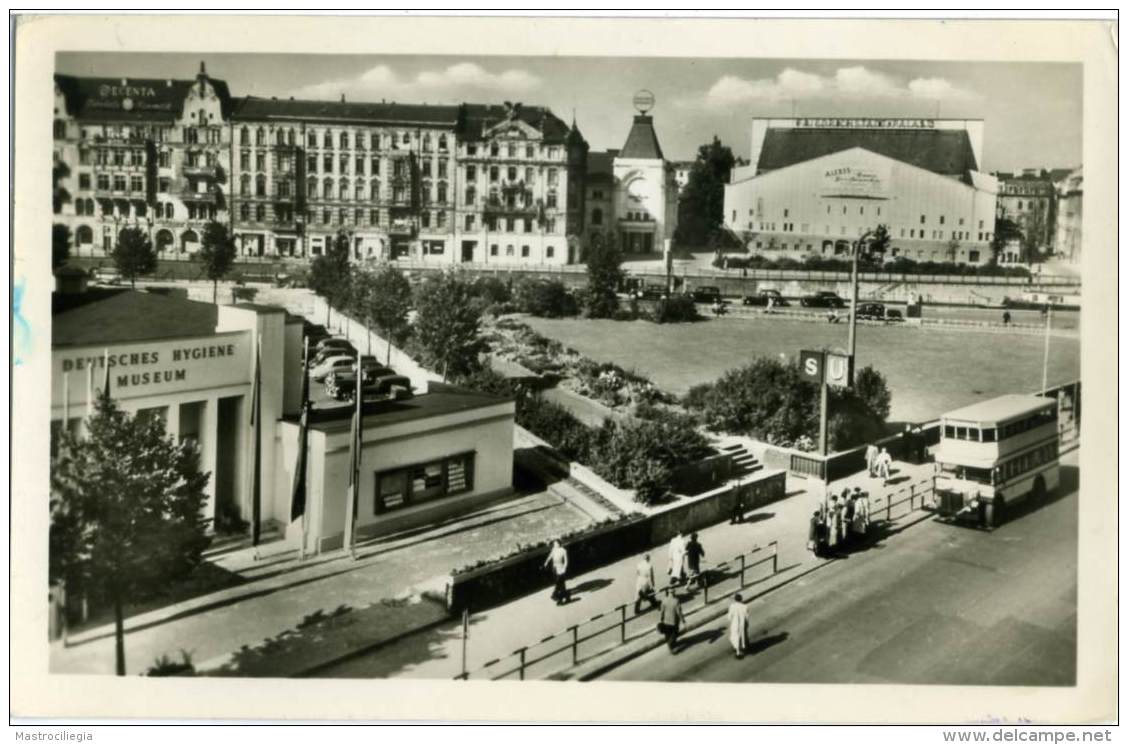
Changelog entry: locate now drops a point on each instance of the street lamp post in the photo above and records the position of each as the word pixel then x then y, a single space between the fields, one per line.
pixel 854 297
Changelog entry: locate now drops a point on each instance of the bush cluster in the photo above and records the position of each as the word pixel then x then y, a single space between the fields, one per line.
pixel 639 454
pixel 545 298
pixel 675 308
pixel 767 399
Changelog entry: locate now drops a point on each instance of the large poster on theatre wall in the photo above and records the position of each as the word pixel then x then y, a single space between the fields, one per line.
pixel 856 178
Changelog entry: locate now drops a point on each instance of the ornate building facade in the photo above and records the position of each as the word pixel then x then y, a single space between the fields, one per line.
pixel 468 183
pixel 151 154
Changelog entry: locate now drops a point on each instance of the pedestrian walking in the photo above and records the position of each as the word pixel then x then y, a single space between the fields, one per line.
pixel 694 553
pixel 644 584
pixel 815 534
pixel 1006 318
pixel 737 508
pixel 871 458
pixel 676 568
pixel 738 625
pixel 670 618
pixel 558 561
pixel 848 516
pixel 833 521
pixel 884 462
pixel 860 523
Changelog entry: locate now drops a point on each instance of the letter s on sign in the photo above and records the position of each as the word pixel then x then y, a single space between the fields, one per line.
pixel 811 366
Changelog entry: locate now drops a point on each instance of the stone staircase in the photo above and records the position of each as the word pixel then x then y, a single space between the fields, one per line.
pixel 743 461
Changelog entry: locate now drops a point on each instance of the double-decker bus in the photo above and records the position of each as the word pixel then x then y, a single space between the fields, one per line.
pixel 994 454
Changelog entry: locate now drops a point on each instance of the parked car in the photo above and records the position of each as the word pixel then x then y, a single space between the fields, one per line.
pixel 822 299
pixel 106 275
pixel 707 294
pixel 330 364
pixel 878 312
pixel 761 299
pixel 332 341
pixel 652 292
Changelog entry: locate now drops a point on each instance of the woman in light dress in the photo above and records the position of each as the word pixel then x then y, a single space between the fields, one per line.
pixel 833 523
pixel 738 625
pixel 860 524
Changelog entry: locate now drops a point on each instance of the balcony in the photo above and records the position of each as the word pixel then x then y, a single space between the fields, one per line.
pixel 209 172
pixel 402 227
pixel 211 196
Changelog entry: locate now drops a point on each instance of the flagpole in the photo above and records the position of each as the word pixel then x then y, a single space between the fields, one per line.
pixel 256 490
pixel 303 461
pixel 89 390
pixel 354 466
pixel 66 401
pixel 106 364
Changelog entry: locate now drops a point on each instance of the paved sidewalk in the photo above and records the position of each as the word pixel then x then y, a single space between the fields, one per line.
pixel 499 631
pixel 277 596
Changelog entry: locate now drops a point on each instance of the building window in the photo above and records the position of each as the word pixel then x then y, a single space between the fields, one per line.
pixel 375 166
pixel 471 194
pixel 550 225
pixel 260 213
pixel 973 256
pixel 442 143
pixel 374 217
pixel 425 219
pixel 136 184
pixel 358 217
pixel 494 172
pixel 244 211
pixel 493 249
pixel 494 149
pixel 471 148
pixel 549 252
pixel 524 252
pixel 469 223
pixel 84 181
pixel 509 250
pixel 941 219
pixel 510 224
pixel 550 200
pixel 597 216
pixel 440 218
pixel 327 163
pixel 552 176
pixel 922 219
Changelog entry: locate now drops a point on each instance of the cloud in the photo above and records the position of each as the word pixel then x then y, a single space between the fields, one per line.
pixel 458 82
pixel 857 82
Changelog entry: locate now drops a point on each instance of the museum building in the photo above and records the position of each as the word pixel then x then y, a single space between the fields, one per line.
pixel 192 365
pixel 816 185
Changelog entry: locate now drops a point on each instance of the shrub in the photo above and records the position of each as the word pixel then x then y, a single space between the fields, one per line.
pixel 642 454
pixel 675 309
pixel 545 298
pixel 165 666
pixel 492 290
pixel 768 400
pixel 555 425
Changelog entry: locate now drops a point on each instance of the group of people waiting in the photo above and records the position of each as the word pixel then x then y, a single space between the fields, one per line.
pixel 839 522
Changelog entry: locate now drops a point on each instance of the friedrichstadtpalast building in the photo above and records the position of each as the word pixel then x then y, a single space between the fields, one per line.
pixel 443 184
pixel 816 185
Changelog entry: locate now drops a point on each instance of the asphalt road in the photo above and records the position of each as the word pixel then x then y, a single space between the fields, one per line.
pixel 935 604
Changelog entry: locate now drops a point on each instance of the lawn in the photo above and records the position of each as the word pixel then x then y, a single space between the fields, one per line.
pixel 929 370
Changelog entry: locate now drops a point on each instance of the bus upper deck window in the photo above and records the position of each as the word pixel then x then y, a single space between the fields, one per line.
pixel 961 433
pixel 989 434
pixel 949 431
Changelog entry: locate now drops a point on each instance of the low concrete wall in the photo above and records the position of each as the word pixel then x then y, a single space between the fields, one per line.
pixel 703 475
pixel 598 546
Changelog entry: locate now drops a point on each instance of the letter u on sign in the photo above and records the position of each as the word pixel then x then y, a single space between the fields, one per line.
pixel 838 369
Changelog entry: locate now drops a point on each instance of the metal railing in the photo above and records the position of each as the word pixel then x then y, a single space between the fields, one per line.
pixel 613 628
pixel 605 631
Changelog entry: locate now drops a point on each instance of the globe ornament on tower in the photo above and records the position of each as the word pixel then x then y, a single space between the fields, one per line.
pixel 643 101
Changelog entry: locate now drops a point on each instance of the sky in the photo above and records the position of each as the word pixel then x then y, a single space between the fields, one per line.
pixel 1032 111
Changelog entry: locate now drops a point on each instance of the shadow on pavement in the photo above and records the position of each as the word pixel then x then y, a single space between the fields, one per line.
pixel 591 585
pixel 708 637
pixel 759 517
pixel 766 642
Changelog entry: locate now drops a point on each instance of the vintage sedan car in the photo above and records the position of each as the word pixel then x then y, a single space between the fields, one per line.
pixel 707 294
pixel 761 299
pixel 878 312
pixel 822 299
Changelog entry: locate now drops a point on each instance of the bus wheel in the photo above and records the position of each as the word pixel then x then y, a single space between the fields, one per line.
pixel 999 511
pixel 1038 493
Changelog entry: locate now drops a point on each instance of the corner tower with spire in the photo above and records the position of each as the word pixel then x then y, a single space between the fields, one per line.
pixel 645 189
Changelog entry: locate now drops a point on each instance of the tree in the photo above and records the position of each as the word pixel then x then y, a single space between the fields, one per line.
pixel 605 274
pixel 1006 230
pixel 702 205
pixel 871 388
pixel 330 274
pixel 382 297
pixel 447 324
pixel 134 255
pixel 216 254
pixel 126 510
pixel 60 245
pixel 877 248
pixel 547 298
